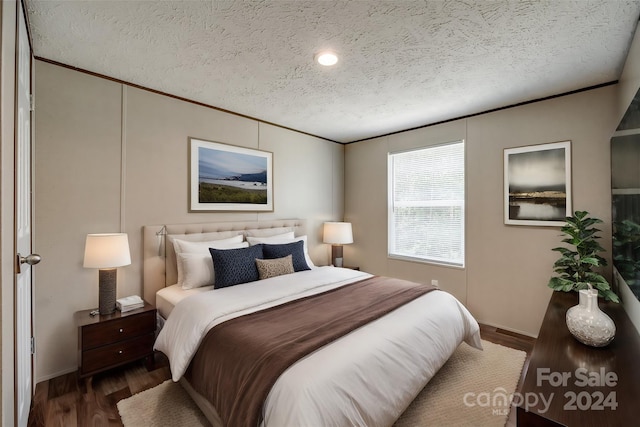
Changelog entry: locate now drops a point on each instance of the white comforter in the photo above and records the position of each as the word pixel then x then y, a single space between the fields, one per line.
pixel 366 378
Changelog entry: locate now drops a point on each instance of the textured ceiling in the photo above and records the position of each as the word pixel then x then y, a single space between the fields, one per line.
pixel 403 64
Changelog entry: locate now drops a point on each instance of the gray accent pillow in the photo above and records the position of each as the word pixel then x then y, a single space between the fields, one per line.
pixel 274 267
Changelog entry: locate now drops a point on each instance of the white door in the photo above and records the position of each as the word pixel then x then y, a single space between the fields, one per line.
pixel 24 259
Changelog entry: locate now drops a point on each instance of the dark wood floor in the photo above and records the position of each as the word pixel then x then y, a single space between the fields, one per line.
pixel 65 401
pixel 69 402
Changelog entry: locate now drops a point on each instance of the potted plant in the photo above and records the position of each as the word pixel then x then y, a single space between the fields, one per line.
pixel 575 267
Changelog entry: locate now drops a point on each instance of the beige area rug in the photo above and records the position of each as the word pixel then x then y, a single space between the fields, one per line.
pixel 469 390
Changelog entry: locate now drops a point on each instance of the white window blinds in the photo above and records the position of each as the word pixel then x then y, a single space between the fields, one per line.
pixel 426 204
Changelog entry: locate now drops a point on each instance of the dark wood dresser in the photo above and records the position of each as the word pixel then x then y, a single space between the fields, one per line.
pixel 107 341
pixel 571 384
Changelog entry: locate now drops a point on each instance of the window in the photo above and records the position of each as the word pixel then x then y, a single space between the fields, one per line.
pixel 426 204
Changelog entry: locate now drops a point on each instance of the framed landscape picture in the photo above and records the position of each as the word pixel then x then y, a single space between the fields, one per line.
pixel 226 177
pixel 537 184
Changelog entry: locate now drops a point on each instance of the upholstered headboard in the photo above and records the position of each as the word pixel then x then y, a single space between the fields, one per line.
pixel 159 257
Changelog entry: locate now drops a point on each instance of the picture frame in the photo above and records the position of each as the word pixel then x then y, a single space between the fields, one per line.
pixel 225 177
pixel 537 184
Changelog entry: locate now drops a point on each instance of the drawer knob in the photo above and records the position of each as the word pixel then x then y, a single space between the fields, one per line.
pixel 120 330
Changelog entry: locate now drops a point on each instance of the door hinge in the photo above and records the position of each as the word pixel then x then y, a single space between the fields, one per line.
pixel 33 345
pixel 32 105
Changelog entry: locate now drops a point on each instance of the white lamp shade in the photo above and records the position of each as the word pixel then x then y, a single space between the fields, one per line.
pixel 338 233
pixel 107 250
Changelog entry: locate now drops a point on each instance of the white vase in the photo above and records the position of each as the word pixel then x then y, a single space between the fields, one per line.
pixel 588 323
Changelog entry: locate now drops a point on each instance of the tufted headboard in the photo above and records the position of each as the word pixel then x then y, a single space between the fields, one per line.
pixel 159 257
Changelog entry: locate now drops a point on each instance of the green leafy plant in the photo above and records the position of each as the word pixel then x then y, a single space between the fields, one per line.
pixel 575 267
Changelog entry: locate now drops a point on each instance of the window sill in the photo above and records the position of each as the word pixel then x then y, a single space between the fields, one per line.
pixel 425 261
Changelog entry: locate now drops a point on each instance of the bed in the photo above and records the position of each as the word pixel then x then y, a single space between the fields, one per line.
pixel 366 377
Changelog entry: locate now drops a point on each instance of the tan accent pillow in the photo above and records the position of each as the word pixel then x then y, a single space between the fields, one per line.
pixel 274 267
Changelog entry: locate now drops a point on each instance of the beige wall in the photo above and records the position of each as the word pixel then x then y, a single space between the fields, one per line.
pixel 110 157
pixel 504 282
pixel 509 266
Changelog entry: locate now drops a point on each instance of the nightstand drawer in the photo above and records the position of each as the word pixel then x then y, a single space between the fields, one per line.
pixel 116 354
pixel 127 327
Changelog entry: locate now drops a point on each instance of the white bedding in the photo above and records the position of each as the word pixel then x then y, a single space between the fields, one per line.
pixel 167 298
pixel 366 378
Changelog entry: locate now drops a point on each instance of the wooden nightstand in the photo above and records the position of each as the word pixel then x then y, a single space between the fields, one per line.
pixel 105 342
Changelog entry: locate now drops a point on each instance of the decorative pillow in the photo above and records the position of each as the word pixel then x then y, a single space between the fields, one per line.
pixel 274 240
pixel 184 246
pixel 274 267
pixel 235 266
pixel 197 269
pixel 295 249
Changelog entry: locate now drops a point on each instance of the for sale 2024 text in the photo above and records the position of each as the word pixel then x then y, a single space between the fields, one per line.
pixel 594 400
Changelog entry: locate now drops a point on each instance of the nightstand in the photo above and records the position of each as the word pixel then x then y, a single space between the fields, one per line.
pixel 107 341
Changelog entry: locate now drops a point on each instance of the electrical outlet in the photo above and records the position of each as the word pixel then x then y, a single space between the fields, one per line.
pixel 434 282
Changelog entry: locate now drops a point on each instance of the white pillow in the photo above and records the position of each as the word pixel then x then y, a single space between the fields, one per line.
pixel 280 239
pixel 184 247
pixel 267 232
pixel 275 239
pixel 197 268
pixel 181 246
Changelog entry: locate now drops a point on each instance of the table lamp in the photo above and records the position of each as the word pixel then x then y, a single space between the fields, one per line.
pixel 107 252
pixel 337 234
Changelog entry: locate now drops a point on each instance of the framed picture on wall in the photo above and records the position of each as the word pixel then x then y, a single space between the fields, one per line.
pixel 226 177
pixel 537 184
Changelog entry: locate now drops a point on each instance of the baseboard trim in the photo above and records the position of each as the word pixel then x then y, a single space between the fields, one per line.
pixel 55 374
pixel 509 331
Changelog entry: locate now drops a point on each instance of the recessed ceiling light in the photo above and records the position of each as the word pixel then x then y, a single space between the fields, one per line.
pixel 326 58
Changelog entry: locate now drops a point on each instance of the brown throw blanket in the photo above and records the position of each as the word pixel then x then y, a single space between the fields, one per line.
pixel 239 360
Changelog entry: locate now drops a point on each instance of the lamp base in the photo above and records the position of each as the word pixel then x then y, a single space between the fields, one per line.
pixel 336 255
pixel 107 287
